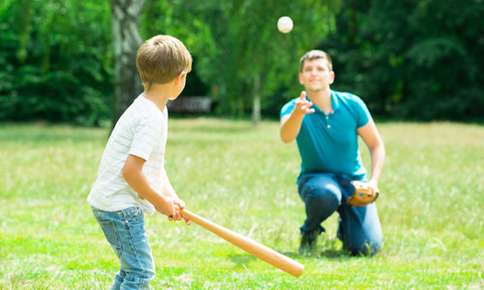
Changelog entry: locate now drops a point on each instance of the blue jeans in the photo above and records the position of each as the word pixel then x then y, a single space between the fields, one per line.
pixel 325 193
pixel 125 231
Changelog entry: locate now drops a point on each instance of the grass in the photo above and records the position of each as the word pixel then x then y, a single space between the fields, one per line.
pixel 243 178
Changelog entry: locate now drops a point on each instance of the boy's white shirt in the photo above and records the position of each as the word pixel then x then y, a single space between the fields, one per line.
pixel 141 131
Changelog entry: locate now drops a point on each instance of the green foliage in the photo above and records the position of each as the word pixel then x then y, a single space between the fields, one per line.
pixel 237 41
pixel 57 60
pixel 431 210
pixel 412 59
pixel 407 59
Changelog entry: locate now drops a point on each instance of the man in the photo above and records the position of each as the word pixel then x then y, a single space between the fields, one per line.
pixel 326 125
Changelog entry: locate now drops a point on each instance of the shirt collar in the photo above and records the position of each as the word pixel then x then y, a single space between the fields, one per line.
pixel 335 103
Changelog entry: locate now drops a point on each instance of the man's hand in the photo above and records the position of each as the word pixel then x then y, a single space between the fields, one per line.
pixel 291 123
pixel 303 106
pixel 364 193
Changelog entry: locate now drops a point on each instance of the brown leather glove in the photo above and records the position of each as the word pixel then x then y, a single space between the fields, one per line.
pixel 363 194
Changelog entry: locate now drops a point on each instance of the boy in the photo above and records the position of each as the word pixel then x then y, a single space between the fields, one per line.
pixel 131 177
pixel 326 125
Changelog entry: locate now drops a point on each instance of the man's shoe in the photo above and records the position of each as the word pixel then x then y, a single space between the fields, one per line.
pixel 308 243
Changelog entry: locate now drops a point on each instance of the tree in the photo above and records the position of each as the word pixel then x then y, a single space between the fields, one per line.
pixel 412 59
pixel 237 47
pixel 50 70
pixel 248 58
pixel 126 40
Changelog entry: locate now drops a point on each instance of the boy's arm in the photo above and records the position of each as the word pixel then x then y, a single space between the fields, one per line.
pixel 169 190
pixel 133 174
pixel 167 187
pixel 370 135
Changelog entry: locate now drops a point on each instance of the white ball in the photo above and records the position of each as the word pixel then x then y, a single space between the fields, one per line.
pixel 285 24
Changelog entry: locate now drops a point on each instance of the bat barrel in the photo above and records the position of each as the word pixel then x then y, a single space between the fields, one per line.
pixel 260 251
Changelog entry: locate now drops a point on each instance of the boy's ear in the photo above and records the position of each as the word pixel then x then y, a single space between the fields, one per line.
pixel 180 77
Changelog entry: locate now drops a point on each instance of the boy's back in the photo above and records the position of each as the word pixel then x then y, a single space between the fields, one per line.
pixel 140 131
pixel 131 177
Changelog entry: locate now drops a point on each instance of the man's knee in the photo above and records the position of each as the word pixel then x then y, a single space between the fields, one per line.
pixel 326 196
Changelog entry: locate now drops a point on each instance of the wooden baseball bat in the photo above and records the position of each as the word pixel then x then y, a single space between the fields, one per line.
pixel 260 251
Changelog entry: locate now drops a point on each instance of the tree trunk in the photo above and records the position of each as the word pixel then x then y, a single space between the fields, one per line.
pixel 126 40
pixel 256 108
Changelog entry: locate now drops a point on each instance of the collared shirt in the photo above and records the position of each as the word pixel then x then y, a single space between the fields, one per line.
pixel 328 143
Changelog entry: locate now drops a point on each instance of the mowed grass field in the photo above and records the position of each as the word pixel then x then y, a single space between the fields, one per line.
pixel 432 210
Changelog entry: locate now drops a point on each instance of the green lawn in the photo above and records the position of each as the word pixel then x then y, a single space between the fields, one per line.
pixel 242 177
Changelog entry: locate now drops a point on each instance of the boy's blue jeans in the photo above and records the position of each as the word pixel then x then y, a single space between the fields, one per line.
pixel 125 231
pixel 325 193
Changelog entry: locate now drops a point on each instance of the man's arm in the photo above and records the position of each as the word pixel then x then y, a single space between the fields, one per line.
pixel 291 124
pixel 133 174
pixel 370 135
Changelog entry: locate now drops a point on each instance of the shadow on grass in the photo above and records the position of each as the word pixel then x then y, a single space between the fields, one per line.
pixel 242 260
pixel 330 249
pixel 326 253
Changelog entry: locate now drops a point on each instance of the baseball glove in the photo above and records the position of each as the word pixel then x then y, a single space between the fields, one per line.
pixel 363 194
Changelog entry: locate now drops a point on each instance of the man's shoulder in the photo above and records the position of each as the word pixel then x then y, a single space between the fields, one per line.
pixel 349 99
pixel 288 107
pixel 346 96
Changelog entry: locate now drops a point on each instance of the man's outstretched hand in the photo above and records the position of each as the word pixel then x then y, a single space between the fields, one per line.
pixel 303 106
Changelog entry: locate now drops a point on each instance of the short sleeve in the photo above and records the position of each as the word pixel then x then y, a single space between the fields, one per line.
pixel 362 112
pixel 287 109
pixel 147 134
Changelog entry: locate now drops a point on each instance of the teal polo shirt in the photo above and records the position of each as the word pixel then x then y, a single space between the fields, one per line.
pixel 328 143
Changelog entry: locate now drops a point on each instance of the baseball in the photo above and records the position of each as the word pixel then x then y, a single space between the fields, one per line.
pixel 285 24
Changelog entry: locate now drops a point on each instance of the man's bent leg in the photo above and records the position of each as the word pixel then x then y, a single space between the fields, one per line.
pixel 360 229
pixel 322 196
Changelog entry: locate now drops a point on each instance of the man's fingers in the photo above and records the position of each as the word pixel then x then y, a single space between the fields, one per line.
pixel 307 109
pixel 302 96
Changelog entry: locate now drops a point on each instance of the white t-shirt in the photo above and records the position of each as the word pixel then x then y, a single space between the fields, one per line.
pixel 140 131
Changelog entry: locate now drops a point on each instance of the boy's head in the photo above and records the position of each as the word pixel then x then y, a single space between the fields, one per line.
pixel 313 55
pixel 161 59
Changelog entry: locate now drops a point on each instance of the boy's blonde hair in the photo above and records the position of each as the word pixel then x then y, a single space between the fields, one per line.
pixel 161 58
pixel 315 54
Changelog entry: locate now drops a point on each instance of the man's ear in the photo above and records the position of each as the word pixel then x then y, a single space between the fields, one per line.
pixel 331 77
pixel 299 76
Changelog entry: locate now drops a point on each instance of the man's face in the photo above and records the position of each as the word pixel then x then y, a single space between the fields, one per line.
pixel 316 75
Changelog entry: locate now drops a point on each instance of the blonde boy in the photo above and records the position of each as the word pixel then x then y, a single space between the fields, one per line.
pixel 131 177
